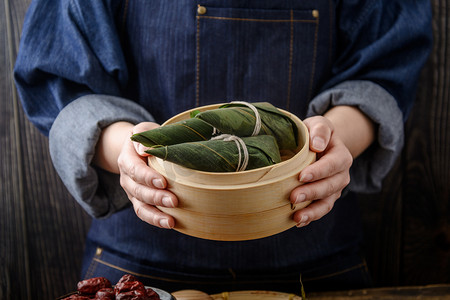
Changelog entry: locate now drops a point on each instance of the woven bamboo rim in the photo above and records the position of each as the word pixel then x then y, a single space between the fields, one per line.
pixel 250 176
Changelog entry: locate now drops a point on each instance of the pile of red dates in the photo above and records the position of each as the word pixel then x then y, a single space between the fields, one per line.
pixel 127 288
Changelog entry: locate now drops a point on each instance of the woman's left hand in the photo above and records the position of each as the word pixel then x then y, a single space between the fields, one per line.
pixel 324 179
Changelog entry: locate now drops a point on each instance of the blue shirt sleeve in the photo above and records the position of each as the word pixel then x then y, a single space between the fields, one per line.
pixel 383 41
pixel 370 168
pixel 381 49
pixel 72 141
pixel 61 58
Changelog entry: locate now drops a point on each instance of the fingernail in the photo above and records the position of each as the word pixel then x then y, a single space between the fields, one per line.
pixel 306 178
pixel 300 198
pixel 318 143
pixel 141 149
pixel 158 183
pixel 164 223
pixel 167 202
pixel 303 221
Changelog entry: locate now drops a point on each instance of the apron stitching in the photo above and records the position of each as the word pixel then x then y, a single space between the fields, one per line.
pixel 291 20
pixel 197 75
pixel 291 52
pixel 93 265
pixel 257 20
pixel 336 273
pixel 185 281
pixel 313 68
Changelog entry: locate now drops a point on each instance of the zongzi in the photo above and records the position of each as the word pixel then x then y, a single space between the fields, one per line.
pixel 239 119
pixel 189 130
pixel 232 118
pixel 220 155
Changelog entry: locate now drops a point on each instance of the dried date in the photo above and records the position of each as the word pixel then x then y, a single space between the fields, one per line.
pixel 105 294
pixel 92 285
pixel 127 288
pixel 127 278
pixel 133 295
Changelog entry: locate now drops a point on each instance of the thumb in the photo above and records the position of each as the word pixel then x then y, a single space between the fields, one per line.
pixel 141 127
pixel 320 131
pixel 144 126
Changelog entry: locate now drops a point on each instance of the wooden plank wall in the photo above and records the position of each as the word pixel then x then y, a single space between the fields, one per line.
pixel 42 229
pixel 426 190
pixel 408 223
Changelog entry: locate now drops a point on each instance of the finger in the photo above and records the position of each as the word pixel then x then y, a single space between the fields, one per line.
pixel 135 167
pixel 141 127
pixel 144 126
pixel 148 194
pixel 320 189
pixel 152 215
pixel 315 210
pixel 336 160
pixel 320 131
pixel 140 149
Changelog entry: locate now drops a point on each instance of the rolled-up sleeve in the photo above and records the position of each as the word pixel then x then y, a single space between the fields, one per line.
pixel 370 168
pixel 73 137
pixel 63 72
pixel 382 46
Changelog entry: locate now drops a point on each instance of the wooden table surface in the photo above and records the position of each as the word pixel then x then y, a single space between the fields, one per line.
pixel 432 292
pixel 429 292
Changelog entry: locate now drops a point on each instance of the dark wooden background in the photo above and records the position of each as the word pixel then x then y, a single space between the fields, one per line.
pixel 407 226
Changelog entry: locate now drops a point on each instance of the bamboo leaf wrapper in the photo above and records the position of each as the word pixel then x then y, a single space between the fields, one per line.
pixel 189 130
pixel 191 143
pixel 238 119
pixel 219 155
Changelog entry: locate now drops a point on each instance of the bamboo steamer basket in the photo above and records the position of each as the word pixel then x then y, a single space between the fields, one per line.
pixel 238 295
pixel 251 295
pixel 235 206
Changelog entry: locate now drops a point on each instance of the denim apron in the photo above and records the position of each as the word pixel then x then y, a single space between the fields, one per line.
pixel 183 54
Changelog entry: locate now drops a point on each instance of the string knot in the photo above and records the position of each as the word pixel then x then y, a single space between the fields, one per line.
pixel 258 122
pixel 242 149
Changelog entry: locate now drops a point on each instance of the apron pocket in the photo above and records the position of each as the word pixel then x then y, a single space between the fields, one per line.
pixel 255 55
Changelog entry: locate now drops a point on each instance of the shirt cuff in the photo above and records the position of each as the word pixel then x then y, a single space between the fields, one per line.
pixel 370 168
pixel 72 140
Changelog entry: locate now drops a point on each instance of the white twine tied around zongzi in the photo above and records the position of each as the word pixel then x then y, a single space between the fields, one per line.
pixel 257 128
pixel 243 159
pixel 242 148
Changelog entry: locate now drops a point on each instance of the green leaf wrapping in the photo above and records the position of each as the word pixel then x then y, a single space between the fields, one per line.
pixel 189 130
pixel 188 141
pixel 219 155
pixel 238 119
pixel 231 118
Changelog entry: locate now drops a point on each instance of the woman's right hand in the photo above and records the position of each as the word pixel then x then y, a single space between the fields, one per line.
pixel 145 187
